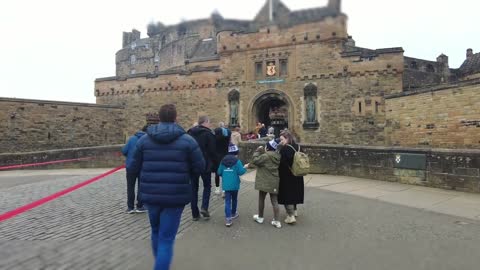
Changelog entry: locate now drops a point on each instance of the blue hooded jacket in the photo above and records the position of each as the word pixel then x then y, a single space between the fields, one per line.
pixel 165 159
pixel 230 169
pixel 129 148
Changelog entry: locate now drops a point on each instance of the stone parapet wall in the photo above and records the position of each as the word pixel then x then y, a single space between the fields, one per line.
pixel 101 157
pixel 33 125
pixel 441 168
pixel 446 117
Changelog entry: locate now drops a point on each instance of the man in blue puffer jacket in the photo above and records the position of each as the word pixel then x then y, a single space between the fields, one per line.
pixel 128 151
pixel 165 160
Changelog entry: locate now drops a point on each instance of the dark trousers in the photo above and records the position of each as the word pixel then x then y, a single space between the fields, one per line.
pixel 164 223
pixel 217 180
pixel 131 181
pixel 207 188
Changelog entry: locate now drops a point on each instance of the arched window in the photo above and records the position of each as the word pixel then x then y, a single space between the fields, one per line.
pixel 164 40
pixel 234 102
pixel 413 65
pixel 430 68
pixel 133 59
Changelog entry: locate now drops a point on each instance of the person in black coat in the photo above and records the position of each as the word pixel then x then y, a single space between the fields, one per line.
pixel 206 140
pixel 263 131
pixel 291 187
pixel 222 140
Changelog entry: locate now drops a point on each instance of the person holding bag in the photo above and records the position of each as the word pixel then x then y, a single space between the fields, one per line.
pixel 291 187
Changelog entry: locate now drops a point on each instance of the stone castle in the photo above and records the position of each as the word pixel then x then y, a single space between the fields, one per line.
pixel 299 70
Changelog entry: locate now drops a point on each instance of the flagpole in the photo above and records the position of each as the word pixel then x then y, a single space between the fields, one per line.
pixel 271 10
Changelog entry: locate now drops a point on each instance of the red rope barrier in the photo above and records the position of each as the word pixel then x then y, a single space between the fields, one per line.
pixel 41 163
pixel 32 205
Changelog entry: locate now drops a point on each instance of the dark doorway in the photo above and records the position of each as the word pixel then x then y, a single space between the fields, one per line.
pixel 272 111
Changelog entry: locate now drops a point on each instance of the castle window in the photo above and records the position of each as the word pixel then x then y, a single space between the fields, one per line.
pixel 283 67
pixel 258 69
pixel 430 68
pixel 359 107
pixel 133 59
pixel 413 65
pixel 133 45
pixel 377 105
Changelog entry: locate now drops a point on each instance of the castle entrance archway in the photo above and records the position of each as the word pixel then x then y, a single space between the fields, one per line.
pixel 272 108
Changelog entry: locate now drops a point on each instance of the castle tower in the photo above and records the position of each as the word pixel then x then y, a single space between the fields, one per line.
pixel 335 5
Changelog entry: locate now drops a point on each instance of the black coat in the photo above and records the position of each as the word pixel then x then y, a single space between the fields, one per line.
pixel 291 187
pixel 206 140
pixel 221 145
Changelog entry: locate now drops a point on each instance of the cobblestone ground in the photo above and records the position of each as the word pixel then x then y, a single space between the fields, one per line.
pixel 86 229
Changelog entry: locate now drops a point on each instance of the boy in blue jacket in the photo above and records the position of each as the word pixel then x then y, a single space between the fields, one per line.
pixel 230 170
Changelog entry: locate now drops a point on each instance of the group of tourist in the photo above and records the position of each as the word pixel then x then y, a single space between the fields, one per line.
pixel 260 131
pixel 168 162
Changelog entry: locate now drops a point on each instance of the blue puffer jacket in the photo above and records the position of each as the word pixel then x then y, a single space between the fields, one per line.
pixel 129 148
pixel 165 160
pixel 230 169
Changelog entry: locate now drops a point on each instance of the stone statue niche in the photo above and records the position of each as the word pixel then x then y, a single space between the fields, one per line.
pixel 310 98
pixel 234 113
pixel 311 110
pixel 234 102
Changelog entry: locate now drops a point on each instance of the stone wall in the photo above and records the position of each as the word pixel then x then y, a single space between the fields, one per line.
pixel 32 125
pixel 446 117
pixel 441 168
pixel 350 91
pixel 101 157
pixel 193 94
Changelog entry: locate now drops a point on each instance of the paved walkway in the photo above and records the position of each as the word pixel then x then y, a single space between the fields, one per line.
pixel 448 202
pixel 88 229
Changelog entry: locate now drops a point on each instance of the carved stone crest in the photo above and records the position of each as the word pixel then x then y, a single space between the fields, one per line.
pixel 271 68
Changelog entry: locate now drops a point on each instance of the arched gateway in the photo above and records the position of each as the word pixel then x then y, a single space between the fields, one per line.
pixel 272 108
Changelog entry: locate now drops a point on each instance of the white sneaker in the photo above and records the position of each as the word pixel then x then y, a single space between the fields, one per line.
pixel 217 190
pixel 290 220
pixel 277 224
pixel 258 219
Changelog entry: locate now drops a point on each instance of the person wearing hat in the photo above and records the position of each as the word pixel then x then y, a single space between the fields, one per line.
pixel 230 170
pixel 266 160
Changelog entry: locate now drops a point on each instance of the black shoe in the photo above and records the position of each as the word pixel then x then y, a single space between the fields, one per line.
pixel 195 218
pixel 205 214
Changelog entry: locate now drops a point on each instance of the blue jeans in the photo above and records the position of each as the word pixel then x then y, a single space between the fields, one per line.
pixel 164 223
pixel 231 203
pixel 207 188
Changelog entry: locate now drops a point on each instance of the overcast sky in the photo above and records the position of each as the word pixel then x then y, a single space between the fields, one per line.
pixel 54 49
